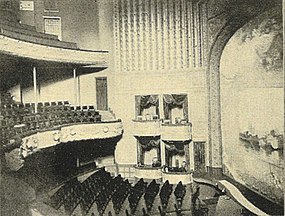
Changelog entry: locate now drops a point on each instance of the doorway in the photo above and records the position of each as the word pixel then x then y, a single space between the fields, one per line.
pixel 102 93
pixel 199 157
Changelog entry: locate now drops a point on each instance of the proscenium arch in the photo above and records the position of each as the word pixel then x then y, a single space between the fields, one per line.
pixel 233 21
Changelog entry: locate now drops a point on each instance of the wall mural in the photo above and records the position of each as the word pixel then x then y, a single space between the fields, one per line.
pixel 252 106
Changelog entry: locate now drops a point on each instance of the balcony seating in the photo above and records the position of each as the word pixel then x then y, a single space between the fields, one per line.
pixel 21 119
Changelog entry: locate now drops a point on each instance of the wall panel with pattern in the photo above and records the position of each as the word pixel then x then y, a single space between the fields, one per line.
pixel 159 34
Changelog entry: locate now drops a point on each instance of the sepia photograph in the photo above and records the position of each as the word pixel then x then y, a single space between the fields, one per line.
pixel 141 108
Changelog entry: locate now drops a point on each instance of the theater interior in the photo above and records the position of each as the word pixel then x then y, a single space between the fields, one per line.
pixel 141 107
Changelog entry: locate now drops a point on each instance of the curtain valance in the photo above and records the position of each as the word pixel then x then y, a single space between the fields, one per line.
pixel 175 148
pixel 149 142
pixel 175 99
pixel 148 100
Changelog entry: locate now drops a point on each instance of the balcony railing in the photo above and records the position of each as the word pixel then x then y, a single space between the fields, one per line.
pixel 148 172
pixel 54 123
pixel 70 133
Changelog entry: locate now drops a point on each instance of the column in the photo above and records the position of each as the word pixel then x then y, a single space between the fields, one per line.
pixel 158 153
pixel 35 89
pixel 162 147
pixel 192 156
pixel 75 86
pixel 21 84
pixel 78 91
pixel 187 156
pixel 139 153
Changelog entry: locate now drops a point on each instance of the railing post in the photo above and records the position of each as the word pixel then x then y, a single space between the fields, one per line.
pixel 75 86
pixel 35 89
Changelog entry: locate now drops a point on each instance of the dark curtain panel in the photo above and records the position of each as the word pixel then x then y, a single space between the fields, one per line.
pixel 138 105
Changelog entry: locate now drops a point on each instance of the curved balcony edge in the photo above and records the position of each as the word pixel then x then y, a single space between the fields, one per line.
pixel 28 49
pixel 40 139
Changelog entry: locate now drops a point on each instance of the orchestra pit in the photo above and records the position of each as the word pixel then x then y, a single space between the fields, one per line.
pixel 141 107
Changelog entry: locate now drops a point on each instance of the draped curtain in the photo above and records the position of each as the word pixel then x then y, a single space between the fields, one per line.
pixel 146 101
pixel 148 143
pixel 175 100
pixel 145 144
pixel 175 148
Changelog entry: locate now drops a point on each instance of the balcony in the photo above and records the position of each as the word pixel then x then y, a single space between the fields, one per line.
pixel 148 172
pixel 70 133
pixel 176 132
pixel 39 49
pixel 55 123
pixel 146 128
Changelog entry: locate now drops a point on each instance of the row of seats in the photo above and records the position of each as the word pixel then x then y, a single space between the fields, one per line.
pixel 7 110
pixel 114 195
pixel 6 98
pixel 93 186
pixel 136 193
pixel 150 194
pixel 120 195
pixel 165 193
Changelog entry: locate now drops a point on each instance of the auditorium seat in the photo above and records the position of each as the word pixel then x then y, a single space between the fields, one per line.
pixel 150 194
pixel 179 193
pixel 165 193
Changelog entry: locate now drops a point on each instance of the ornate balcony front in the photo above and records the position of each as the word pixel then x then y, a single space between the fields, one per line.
pixel 176 132
pixel 70 133
pixel 147 172
pixel 146 128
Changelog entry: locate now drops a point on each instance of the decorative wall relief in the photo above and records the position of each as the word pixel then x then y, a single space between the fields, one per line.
pixel 157 34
